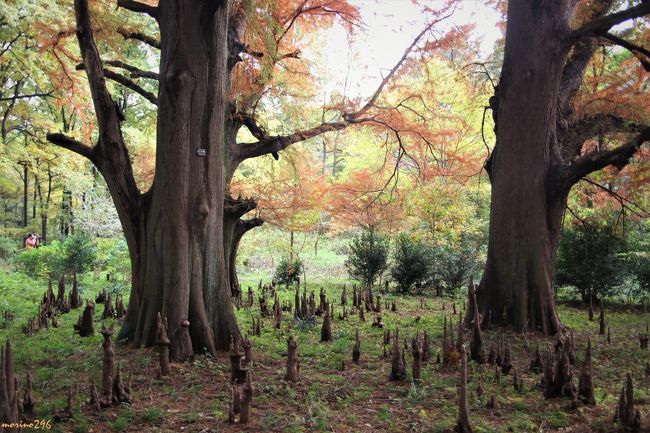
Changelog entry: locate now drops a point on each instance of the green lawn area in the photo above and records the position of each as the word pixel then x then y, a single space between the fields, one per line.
pixel 195 396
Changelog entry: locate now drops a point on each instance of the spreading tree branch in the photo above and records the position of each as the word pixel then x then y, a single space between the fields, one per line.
pixel 70 143
pixel 618 157
pixel 275 144
pixel 135 6
pixel 238 207
pixel 127 34
pixel 249 121
pixel 244 226
pixel 602 24
pixel 393 71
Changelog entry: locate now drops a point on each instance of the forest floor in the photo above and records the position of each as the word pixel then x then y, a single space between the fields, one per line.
pixel 196 395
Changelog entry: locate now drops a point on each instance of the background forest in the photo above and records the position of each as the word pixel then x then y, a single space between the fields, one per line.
pixel 360 138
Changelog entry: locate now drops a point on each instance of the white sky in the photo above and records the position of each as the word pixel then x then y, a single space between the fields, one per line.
pixel 391 26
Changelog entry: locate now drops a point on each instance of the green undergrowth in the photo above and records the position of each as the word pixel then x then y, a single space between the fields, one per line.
pixel 358 398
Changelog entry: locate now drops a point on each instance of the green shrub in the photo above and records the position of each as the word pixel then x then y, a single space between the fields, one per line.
pixel 76 254
pixel 43 261
pixel 113 259
pixel 368 257
pixel 412 266
pixel 8 248
pixel 288 271
pixel 455 262
pixel 79 253
pixel 588 259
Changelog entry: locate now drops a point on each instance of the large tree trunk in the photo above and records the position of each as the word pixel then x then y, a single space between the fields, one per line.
pixel 183 267
pixel 539 153
pixel 175 231
pixel 527 207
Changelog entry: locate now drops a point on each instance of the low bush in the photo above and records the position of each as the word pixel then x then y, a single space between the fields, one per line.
pixel 368 257
pixel 412 264
pixel 288 271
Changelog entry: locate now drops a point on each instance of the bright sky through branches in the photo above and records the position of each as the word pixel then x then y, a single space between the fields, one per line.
pixel 390 27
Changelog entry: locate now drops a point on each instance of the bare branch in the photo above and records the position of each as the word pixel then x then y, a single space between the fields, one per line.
pixel 619 157
pixel 127 34
pixel 121 79
pixel 625 203
pixel 275 144
pixel 131 85
pixel 637 50
pixel 6 46
pixel 135 72
pixel 138 7
pixel 392 72
pixel 602 24
pixel 70 143
pixel 31 95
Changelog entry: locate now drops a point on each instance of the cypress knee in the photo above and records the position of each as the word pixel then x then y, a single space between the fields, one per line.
pixel 585 383
pixel 247 398
pixel 356 350
pixel 416 350
pixel 398 369
pixel 292 360
pixel 326 330
pixel 162 340
pixel 462 423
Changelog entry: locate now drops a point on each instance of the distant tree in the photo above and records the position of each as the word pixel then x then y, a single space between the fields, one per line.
pixel 588 259
pixel 368 257
pixel 79 253
pixel 412 263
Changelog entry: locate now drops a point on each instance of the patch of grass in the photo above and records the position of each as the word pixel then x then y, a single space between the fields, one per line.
pixel 81 423
pixel 153 415
pixel 123 422
pixel 557 419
